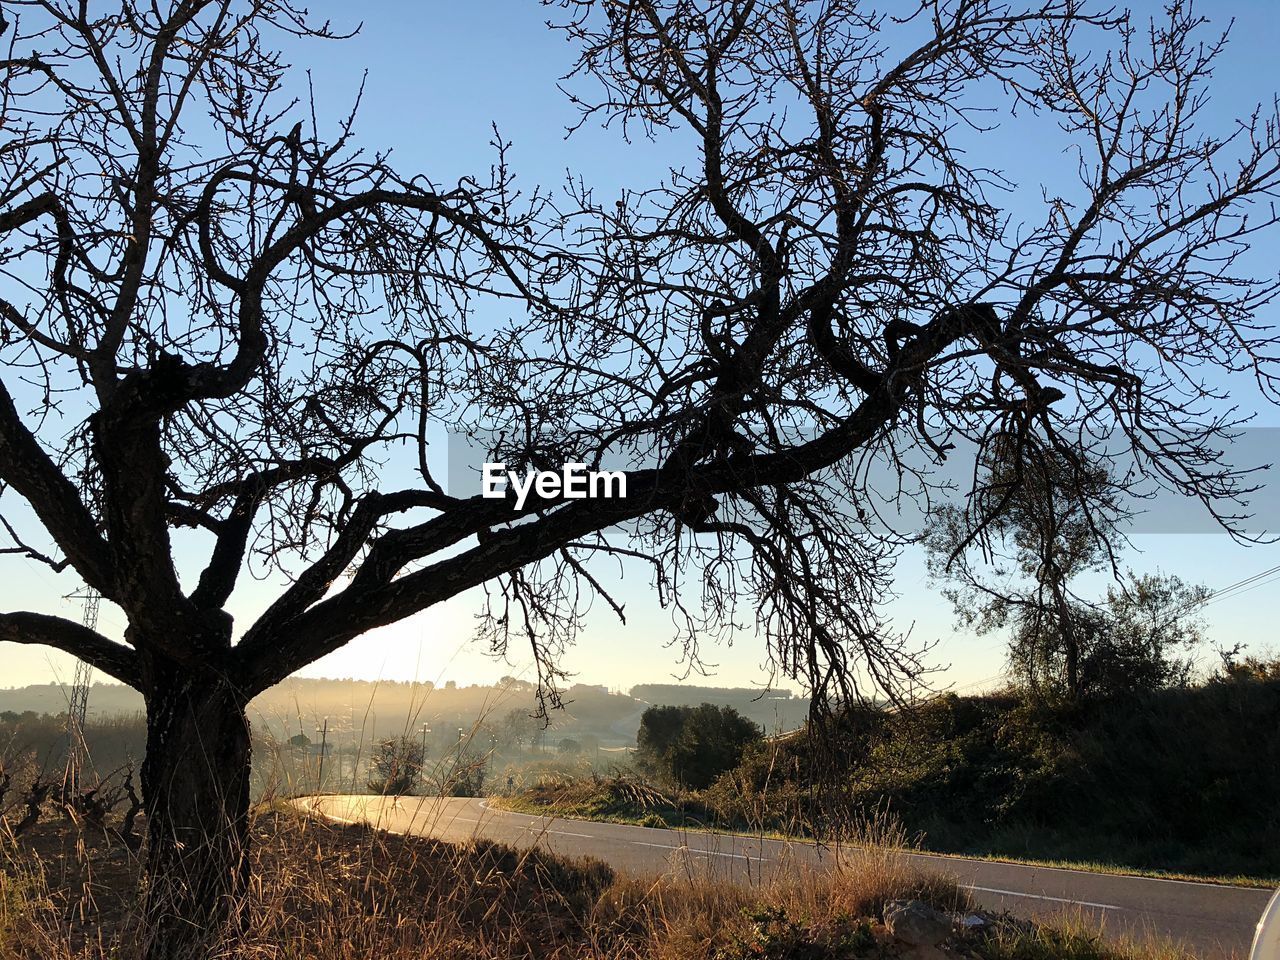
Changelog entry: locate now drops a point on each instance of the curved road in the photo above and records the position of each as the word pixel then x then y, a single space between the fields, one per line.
pixel 1212 920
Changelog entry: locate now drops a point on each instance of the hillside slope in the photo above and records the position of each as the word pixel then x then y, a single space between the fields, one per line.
pixel 1183 779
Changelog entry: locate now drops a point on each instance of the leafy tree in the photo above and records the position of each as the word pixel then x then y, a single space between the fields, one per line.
pixel 397 766
pixel 1042 518
pixel 660 728
pixel 1263 669
pixel 516 728
pixel 1148 625
pixel 1138 637
pixel 569 746
pixel 223 322
pixel 712 742
pixel 691 746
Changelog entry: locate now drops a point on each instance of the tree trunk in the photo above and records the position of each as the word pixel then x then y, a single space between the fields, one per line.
pixel 195 786
pixel 1073 662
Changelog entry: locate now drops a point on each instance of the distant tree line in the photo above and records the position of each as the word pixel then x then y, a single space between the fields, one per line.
pixel 680 694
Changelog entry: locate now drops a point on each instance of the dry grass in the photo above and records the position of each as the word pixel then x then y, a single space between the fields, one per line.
pixel 326 892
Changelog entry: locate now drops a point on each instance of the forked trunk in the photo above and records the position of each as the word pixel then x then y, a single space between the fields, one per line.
pixel 195 782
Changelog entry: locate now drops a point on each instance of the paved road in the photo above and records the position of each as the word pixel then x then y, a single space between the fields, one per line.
pixel 1213 920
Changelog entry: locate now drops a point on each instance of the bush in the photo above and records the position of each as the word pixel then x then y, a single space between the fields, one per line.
pixel 396 767
pixel 467 778
pixel 692 746
pixel 1176 779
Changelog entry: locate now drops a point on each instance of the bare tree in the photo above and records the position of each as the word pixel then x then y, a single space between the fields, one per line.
pixel 225 329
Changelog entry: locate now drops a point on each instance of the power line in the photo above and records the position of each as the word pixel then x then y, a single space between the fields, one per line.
pixel 1003 675
pixel 1229 592
pixel 1243 586
pixel 1240 583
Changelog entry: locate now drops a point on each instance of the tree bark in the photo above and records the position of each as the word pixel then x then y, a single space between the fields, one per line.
pixel 1073 662
pixel 195 784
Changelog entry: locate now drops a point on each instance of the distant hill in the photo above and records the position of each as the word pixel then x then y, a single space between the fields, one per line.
pixel 300 705
pixel 775 710
pixel 106 699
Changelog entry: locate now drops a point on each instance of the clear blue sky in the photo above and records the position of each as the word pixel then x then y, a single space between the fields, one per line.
pixel 439 74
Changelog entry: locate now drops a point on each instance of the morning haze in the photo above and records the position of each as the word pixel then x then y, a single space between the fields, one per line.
pixel 907 324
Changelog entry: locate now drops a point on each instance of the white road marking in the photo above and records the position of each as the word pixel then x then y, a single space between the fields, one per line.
pixel 950 858
pixel 560 833
pixel 1037 896
pixel 354 823
pixel 709 853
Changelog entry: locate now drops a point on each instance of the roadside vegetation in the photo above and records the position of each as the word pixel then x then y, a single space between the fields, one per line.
pixel 1106 748
pixel 1179 780
pixel 67 893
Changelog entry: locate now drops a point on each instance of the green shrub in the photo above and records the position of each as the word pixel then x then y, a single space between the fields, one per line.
pixel 1178 779
pixel 692 746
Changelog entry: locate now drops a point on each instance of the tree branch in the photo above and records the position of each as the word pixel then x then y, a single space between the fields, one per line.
pixel 28 469
pixel 76 639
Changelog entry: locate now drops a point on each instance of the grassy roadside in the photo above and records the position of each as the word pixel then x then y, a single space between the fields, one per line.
pixel 1176 783
pixel 604 803
pixel 351 893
